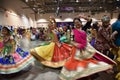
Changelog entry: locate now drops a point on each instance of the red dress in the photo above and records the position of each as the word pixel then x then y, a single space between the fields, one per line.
pixel 82 63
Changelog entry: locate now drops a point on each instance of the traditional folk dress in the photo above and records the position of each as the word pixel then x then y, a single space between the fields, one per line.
pixel 85 60
pixel 51 54
pixel 12 59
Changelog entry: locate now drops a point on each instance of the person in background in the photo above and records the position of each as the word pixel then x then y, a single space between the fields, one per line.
pixel 93 33
pixel 13 59
pixel 33 34
pixel 116 38
pixel 81 63
pixel 88 23
pixel 24 41
pixel 103 41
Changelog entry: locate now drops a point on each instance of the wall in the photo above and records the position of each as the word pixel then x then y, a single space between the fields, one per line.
pixel 14 14
pixel 1 18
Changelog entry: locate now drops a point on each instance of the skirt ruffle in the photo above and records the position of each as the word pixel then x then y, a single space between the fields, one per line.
pixel 81 72
pixel 51 55
pixel 15 62
pixel 85 65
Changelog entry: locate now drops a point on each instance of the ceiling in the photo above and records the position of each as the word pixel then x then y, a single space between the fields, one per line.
pixel 67 6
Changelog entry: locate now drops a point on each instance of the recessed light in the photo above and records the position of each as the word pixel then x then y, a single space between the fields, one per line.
pixel 89 0
pixel 100 7
pixel 34 8
pixel 77 0
pixel 117 7
pixel 26 0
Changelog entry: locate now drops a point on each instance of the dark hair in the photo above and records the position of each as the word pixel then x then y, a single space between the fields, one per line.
pixel 95 26
pixel 77 19
pixel 6 28
pixel 119 16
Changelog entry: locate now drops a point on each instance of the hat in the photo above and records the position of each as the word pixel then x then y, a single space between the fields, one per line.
pixel 105 19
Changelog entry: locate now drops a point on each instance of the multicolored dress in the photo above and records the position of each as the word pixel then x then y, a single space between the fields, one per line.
pixel 85 60
pixel 12 59
pixel 51 54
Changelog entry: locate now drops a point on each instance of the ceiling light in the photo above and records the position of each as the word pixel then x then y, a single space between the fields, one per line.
pixel 58 8
pixel 100 7
pixel 34 8
pixel 118 0
pixel 77 0
pixel 26 0
pixel 89 0
pixel 117 7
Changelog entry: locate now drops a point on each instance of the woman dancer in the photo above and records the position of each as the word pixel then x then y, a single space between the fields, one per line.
pixel 54 53
pixel 82 63
pixel 12 60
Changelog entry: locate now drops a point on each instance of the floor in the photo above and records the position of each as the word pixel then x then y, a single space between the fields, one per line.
pixel 39 72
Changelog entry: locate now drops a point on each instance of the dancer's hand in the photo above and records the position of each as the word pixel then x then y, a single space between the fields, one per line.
pixel 113 36
pixel 74 43
pixel 84 17
pixel 58 44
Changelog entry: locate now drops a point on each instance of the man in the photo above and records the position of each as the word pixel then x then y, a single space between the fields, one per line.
pixel 116 34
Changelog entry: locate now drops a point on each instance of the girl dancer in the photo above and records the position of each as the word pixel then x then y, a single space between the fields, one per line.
pixel 54 53
pixel 12 59
pixel 82 63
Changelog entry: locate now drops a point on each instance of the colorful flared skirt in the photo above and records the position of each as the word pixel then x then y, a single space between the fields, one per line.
pixel 51 55
pixel 15 62
pixel 83 65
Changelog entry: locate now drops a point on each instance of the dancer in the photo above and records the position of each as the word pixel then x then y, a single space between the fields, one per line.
pixel 12 59
pixel 54 53
pixel 81 63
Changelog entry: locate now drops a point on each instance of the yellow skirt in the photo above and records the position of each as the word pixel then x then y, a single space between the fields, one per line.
pixel 51 55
